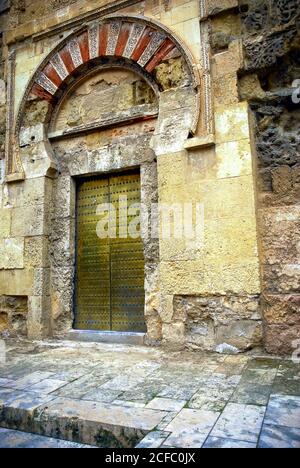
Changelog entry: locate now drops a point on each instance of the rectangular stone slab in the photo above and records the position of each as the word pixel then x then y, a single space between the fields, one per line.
pixel 138 418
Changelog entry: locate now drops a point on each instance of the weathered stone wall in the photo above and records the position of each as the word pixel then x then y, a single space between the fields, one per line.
pixel 13 307
pixel 243 166
pixel 275 67
pixel 269 33
pixel 13 315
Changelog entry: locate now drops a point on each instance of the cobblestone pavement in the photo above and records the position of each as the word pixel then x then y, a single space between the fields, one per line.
pixel 126 396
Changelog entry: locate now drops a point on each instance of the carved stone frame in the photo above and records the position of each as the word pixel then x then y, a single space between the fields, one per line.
pixel 201 81
pixel 195 95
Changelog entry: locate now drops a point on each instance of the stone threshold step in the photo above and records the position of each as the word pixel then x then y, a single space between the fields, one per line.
pixel 80 421
pixel 91 336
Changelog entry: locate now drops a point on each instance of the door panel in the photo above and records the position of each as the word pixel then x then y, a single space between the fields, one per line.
pixel 93 273
pixel 110 272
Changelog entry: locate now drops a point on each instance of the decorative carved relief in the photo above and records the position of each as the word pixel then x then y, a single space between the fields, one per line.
pixel 264 14
pixel 113 35
pixel 75 53
pixel 154 44
pixel 93 34
pixel 43 81
pixel 147 44
pixel 263 51
pixel 59 66
pixel 142 44
pixel 136 34
pixel 286 10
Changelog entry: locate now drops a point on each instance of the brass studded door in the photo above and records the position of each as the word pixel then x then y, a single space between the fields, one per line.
pixel 109 292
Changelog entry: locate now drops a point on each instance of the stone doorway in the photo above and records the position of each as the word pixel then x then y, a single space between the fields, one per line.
pixel 109 286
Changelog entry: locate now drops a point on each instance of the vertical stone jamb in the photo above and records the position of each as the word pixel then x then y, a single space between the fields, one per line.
pixel 39 304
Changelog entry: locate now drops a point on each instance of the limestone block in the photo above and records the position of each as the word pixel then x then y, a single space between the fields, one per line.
pixel 214 7
pixel 222 310
pixel 174 333
pixel 176 99
pixel 166 310
pixel 181 277
pixel 201 335
pixel 2 93
pixel 232 123
pixel 229 197
pixel 31 192
pixel 38 160
pixel 175 120
pixel 173 74
pixel 11 253
pixel 36 252
pixel 228 62
pixel 16 282
pixel 5 221
pixel 200 277
pixel 171 169
pixel 38 317
pixel 124 152
pixel 234 159
pixel 35 113
pixel 242 334
pixel 179 249
pixel 28 221
pixel 32 135
pixel 191 32
pixel 250 88
pixel 154 329
pixel 62 242
pixel 64 197
pixel 185 12
pixel 281 309
pixel 172 133
pixel 149 173
pixel 62 280
pixel 225 96
pixel 236 277
pixel 14 304
pixel 78 164
pixel 22 80
pixel 13 315
pixel 282 278
pixel 280 234
pixel 220 322
pixel 233 239
pixel 282 339
pixel 41 281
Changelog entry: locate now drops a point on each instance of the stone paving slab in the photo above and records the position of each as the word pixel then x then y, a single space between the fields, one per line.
pixel 17 439
pixel 153 440
pixel 190 428
pixel 125 396
pixel 166 404
pixel 240 422
pixel 283 410
pixel 216 442
pixel 279 437
pixel 101 413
